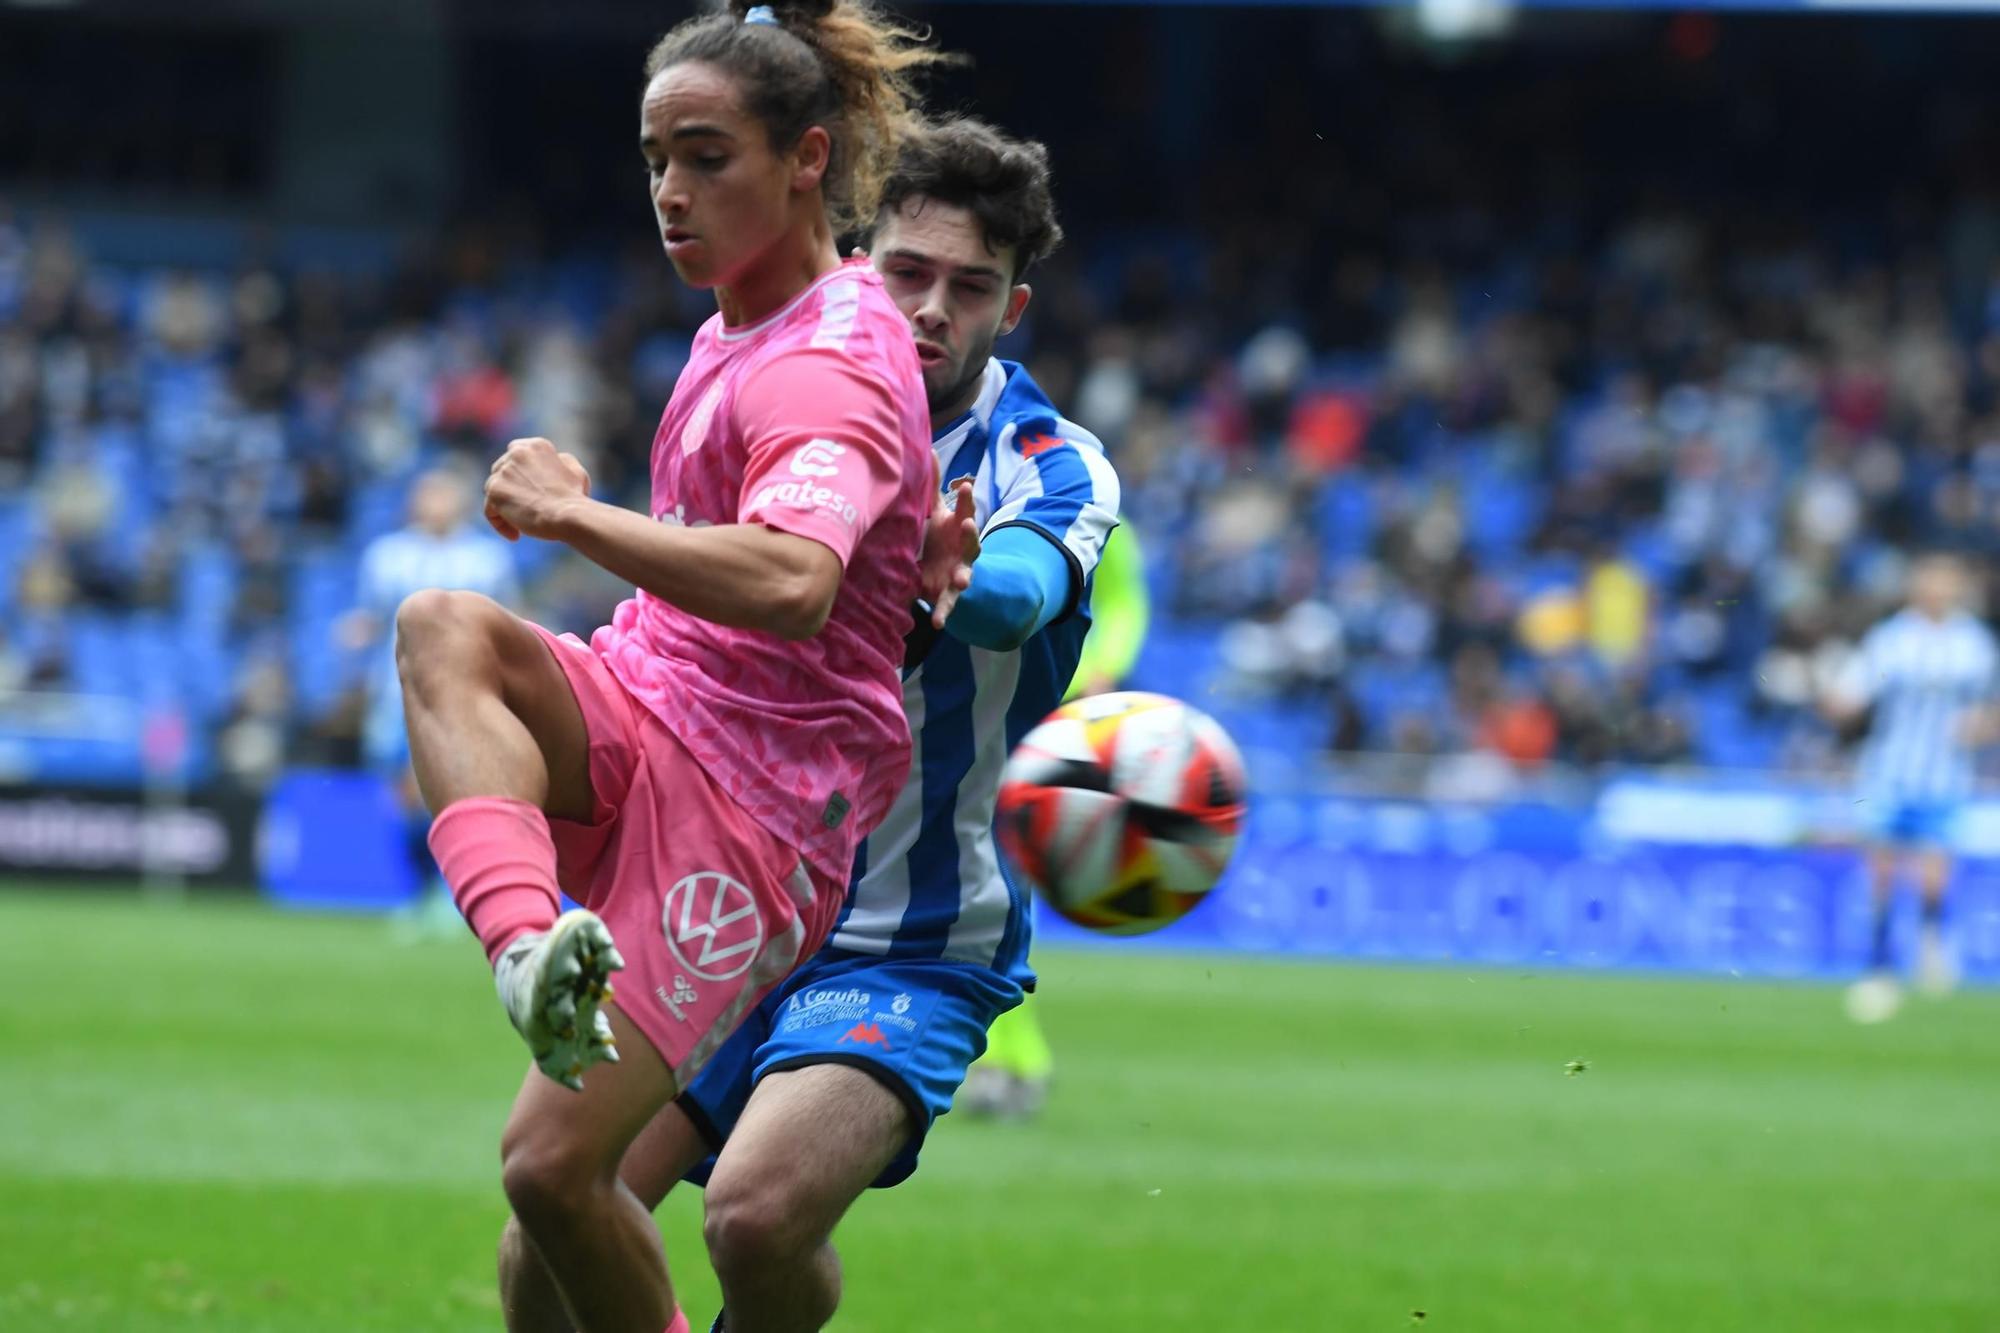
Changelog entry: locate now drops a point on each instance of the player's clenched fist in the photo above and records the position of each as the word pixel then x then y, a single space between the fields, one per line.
pixel 531 486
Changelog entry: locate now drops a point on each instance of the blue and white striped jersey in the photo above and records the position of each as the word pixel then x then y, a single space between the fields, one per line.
pixel 1923 677
pixel 928 881
pixel 409 560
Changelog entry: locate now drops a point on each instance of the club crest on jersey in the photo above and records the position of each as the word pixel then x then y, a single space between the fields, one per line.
pixel 712 925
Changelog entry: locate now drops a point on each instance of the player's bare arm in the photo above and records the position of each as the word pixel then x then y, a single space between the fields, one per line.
pixel 743 575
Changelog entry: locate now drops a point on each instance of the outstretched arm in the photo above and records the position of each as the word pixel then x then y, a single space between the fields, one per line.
pixel 1022 582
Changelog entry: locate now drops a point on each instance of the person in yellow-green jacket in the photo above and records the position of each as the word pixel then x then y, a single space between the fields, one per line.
pixel 1011 1081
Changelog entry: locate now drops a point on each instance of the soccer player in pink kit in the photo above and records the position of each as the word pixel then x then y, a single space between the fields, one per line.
pixel 699 774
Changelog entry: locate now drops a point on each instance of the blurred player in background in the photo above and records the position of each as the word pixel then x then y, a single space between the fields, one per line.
pixel 702 772
pixel 1928 675
pixel 438 548
pixel 1011 1081
pixel 833 1082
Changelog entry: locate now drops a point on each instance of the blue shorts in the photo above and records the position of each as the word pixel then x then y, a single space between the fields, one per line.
pixel 915 1024
pixel 1910 823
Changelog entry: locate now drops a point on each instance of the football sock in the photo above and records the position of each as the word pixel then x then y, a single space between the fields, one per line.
pixel 497 856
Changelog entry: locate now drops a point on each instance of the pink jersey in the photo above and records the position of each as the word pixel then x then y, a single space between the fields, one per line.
pixel 811 421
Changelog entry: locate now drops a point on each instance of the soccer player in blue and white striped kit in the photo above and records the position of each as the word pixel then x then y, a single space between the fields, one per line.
pixel 1928 672
pixel 831 1084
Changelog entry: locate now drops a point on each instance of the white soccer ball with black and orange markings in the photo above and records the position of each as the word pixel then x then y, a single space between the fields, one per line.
pixel 1123 809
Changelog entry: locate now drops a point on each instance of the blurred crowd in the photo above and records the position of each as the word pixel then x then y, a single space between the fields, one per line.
pixel 1628 499
pixel 1629 506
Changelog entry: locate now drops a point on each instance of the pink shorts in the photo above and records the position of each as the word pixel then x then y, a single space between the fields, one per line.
pixel 708 908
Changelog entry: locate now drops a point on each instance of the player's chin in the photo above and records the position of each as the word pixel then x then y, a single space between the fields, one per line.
pixel 940 381
pixel 692 267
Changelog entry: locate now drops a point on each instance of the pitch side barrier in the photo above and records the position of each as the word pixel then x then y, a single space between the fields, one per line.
pixel 1676 874
pixel 1684 872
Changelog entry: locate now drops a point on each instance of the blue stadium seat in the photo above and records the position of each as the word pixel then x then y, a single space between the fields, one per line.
pixel 1346 516
pixel 1500 513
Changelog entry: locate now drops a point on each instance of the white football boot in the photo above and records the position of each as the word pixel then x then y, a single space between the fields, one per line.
pixel 552 983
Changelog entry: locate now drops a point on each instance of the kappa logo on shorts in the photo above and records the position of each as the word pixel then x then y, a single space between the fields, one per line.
pixel 712 925
pixel 867 1034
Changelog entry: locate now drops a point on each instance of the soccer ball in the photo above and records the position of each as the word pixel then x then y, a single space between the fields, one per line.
pixel 1122 809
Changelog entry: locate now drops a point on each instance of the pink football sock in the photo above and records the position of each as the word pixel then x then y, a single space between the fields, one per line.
pixel 497 857
pixel 680 1324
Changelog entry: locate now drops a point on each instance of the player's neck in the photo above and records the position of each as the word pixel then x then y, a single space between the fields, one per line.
pixel 793 265
pixel 963 401
pixel 956 409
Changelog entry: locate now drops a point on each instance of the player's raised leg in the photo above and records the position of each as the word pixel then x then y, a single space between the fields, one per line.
pixel 489 711
pixel 498 744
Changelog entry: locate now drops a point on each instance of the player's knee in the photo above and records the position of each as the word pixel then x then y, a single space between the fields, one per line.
pixel 443 635
pixel 750 1225
pixel 545 1183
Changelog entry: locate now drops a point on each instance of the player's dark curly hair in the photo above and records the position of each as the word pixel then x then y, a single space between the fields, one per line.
pixel 1001 180
pixel 839 64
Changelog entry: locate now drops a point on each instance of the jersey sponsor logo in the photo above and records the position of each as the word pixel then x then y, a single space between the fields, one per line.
pixel 839 999
pixel 900 1005
pixel 805 495
pixel 712 925
pixel 817 458
pixel 824 1007
pixel 1034 446
pixel 864 1034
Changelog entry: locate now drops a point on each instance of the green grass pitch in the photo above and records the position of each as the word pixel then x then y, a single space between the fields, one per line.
pixel 217 1116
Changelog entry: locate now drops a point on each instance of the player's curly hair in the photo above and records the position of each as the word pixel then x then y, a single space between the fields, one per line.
pixel 839 64
pixel 1001 180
